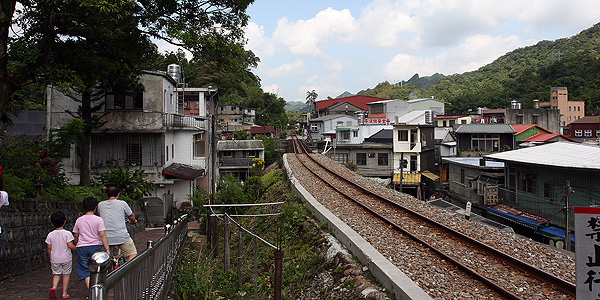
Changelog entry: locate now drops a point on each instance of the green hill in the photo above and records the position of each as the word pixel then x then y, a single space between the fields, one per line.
pixel 524 74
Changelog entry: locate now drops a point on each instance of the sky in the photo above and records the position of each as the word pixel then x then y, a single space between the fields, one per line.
pixel 332 46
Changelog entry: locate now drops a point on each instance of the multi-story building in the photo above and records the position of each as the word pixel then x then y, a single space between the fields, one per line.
pixel 548 118
pixel 234 117
pixel 414 151
pixel 570 111
pixel 235 157
pixel 391 109
pixel 452 121
pixel 147 131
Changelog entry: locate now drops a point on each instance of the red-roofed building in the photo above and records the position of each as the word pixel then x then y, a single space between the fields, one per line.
pixel 532 134
pixel 337 106
pixel 586 128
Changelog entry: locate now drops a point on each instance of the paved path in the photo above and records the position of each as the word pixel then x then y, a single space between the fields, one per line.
pixel 36 284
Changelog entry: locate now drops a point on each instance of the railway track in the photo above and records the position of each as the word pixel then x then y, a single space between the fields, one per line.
pixel 483 267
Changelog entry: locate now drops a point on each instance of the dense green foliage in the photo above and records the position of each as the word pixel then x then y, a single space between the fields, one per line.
pixel 201 276
pixel 524 74
pixel 131 181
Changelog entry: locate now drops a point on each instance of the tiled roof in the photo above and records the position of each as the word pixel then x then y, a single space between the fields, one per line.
pixel 541 137
pixel 588 120
pixel 485 128
pixel 558 154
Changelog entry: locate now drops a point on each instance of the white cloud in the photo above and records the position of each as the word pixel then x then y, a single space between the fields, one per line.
pixel 257 41
pixel 474 52
pixel 308 37
pixel 297 67
pixel 273 88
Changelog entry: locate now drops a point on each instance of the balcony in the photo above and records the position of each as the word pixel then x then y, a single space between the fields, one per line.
pixel 235 162
pixel 179 121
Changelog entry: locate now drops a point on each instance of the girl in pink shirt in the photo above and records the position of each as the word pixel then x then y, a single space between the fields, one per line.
pixel 60 243
pixel 90 237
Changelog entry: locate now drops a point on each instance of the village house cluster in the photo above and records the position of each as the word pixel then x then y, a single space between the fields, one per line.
pixel 515 164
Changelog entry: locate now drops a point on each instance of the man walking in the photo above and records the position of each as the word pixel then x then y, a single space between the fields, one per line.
pixel 114 211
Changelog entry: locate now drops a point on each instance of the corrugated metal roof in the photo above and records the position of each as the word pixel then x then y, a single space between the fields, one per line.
pixel 485 128
pixel 474 162
pixel 558 154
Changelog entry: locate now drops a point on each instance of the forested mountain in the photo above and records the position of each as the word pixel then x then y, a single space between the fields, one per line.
pixel 524 74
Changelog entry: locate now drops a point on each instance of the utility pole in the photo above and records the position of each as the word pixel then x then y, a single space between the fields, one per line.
pixel 568 191
pixel 213 98
pixel 401 169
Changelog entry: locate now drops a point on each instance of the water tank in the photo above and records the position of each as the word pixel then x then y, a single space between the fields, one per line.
pixel 428 117
pixel 536 103
pixel 174 70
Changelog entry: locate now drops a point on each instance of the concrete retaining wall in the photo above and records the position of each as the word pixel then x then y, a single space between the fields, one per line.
pixel 386 273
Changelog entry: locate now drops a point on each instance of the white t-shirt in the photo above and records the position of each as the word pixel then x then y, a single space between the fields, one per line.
pixel 60 251
pixel 114 213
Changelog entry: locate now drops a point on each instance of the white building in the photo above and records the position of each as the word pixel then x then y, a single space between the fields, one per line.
pixel 149 131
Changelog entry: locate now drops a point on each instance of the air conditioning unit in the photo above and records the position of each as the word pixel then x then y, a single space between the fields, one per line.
pixel 473 185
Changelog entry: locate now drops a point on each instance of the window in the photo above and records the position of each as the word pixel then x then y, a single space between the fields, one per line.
pixel 485 142
pixel 340 123
pixel 313 128
pixel 462 176
pixel 252 153
pixel 172 150
pixel 463 121
pixel 587 133
pixel 226 153
pixel 527 182
pixel 344 135
pixel 199 145
pixel 549 190
pixel 167 153
pixel 452 122
pixel 578 132
pixel 597 133
pixel 578 108
pixel 361 159
pixel 403 135
pixel 444 123
pixel 519 119
pixel 133 154
pixel 341 158
pixel 119 100
pixel 413 163
pixel 414 138
pixel 355 134
pixel 569 118
pixel 382 159
pixel 535 119
pixel 569 108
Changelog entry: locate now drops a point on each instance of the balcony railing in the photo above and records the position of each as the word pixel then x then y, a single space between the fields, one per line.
pixel 247 162
pixel 179 121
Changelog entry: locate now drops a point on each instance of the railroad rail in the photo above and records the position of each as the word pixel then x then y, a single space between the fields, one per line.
pixel 434 235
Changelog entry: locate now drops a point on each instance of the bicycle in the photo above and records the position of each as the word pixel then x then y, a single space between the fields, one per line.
pixel 117 256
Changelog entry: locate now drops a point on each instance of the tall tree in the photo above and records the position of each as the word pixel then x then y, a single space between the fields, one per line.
pixel 87 46
pixel 311 97
pixel 31 31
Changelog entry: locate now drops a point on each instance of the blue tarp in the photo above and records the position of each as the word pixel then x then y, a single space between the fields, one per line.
pixel 531 223
pixel 555 231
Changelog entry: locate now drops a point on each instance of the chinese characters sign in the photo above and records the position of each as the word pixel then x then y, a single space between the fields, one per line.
pixel 377 121
pixel 587 259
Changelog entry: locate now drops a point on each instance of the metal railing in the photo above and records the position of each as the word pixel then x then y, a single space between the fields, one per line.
pixel 147 276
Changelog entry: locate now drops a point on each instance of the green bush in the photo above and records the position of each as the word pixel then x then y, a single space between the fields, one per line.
pixel 28 162
pixel 131 181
